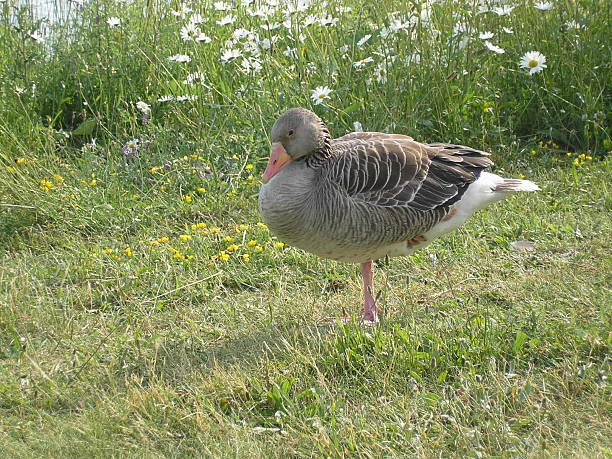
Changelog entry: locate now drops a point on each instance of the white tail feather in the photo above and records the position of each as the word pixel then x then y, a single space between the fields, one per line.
pixel 516 185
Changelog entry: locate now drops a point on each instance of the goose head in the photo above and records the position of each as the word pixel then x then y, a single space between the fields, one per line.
pixel 296 134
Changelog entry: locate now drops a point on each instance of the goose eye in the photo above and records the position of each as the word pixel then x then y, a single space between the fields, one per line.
pixel 290 132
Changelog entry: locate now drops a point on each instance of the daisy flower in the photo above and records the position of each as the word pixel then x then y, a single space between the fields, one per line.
pixel 143 107
pixel 229 19
pixel 113 21
pixel 381 73
pixel 165 99
pixel 543 6
pixel 534 61
pixel 319 94
pixel 494 48
pixel 180 58
pixel 363 62
pixel 38 38
pixel 485 35
pixel 363 40
pixel 230 55
pixel 503 10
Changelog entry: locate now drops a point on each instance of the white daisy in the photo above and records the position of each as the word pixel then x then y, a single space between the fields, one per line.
pixel 185 98
pixel 485 35
pixel 363 62
pixel 189 32
pixel 503 10
pixel 508 30
pixel 494 48
pixel 230 55
pixel 222 6
pixel 534 61
pixel 183 11
pixel 180 58
pixel 290 52
pixel 203 38
pixel 165 98
pixel 381 73
pixel 328 21
pixel 544 6
pixel 143 107
pixel 113 21
pixel 197 18
pixel 193 77
pixel 364 39
pixel 319 94
pixel 229 19
pixel 38 38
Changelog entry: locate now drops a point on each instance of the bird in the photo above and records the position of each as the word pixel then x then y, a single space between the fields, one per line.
pixel 369 195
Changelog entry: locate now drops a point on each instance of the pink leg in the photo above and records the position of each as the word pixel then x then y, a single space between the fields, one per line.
pixel 370 311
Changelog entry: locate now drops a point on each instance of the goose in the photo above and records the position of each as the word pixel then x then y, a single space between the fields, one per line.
pixel 368 195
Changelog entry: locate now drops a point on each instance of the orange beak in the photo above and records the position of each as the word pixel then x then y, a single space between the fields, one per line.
pixel 279 158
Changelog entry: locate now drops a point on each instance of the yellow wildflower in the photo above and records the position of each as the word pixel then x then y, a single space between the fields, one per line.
pixel 223 256
pixel 232 248
pixel 107 251
pixel 279 245
pixel 93 182
pixel 241 228
pixel 215 230
pixel 129 252
pixel 185 237
pixel 58 178
pixel 248 167
pixel 46 185
pixel 235 157
pixel 20 161
pixel 201 225
pixel 164 239
pixel 246 258
pixel 228 238
pixel 258 248
pixel 201 190
pixel 262 225
pixel 188 199
pixel 252 243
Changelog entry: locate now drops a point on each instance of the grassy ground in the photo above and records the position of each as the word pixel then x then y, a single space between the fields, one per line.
pixel 145 311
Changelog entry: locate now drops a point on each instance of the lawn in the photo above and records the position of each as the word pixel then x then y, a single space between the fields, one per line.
pixel 146 311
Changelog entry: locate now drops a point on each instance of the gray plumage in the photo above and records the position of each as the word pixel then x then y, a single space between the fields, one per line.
pixel 363 195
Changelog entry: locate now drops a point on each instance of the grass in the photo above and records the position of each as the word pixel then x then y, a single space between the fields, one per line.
pixel 137 318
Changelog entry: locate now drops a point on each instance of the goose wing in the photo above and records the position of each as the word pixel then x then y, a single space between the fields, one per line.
pixel 395 171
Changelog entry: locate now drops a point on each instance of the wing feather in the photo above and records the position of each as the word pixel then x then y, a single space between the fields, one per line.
pixel 393 170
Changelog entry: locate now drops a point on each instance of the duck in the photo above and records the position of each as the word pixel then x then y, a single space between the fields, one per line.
pixel 369 195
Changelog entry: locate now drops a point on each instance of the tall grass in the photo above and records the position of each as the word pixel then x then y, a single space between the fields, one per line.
pixel 144 311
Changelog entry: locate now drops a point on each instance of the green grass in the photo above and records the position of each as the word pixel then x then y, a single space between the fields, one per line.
pixel 125 331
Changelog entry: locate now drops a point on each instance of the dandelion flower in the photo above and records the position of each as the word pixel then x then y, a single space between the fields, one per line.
pixel 113 21
pixel 533 61
pixel 319 94
pixel 543 6
pixel 494 48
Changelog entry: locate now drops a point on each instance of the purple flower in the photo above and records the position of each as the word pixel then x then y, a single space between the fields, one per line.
pixel 130 149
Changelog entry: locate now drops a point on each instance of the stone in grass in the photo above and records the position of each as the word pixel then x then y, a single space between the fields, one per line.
pixel 523 246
